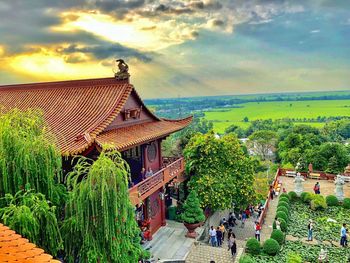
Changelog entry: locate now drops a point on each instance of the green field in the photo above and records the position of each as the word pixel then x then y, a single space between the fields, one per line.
pixel 278 110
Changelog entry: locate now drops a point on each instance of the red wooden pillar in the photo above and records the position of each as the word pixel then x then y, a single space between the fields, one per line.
pixel 162 207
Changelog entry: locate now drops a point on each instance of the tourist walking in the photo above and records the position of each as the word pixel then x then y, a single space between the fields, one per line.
pixel 218 236
pixel 212 235
pixel 229 233
pixel 317 189
pixel 343 240
pixel 310 227
pixel 243 219
pixel 257 231
pixel 232 244
pixel 272 192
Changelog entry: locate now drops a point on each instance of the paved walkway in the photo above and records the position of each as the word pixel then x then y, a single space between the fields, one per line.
pixel 170 243
pixel 270 217
pixel 201 252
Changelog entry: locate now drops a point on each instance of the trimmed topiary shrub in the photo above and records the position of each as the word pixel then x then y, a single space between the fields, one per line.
pixel 282 203
pixel 292 196
pixel 346 203
pixel 284 195
pixel 246 259
pixel 253 246
pixel 332 200
pixel 302 196
pixel 283 224
pixel 192 212
pixel 271 247
pixel 284 199
pixel 293 257
pixel 318 202
pixel 278 236
pixel 307 198
pixel 282 215
pixel 283 209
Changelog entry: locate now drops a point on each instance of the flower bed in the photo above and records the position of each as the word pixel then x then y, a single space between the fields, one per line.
pixel 326 233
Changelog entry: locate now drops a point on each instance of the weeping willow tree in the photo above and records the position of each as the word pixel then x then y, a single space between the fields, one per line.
pixel 28 155
pixel 100 224
pixel 32 216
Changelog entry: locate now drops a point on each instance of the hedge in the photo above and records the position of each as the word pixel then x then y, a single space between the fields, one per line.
pixel 282 215
pixel 294 257
pixel 284 195
pixel 283 209
pixel 284 199
pixel 292 196
pixel 332 200
pixel 346 203
pixel 286 205
pixel 253 246
pixel 278 236
pixel 283 224
pixel 307 198
pixel 271 247
pixel 318 202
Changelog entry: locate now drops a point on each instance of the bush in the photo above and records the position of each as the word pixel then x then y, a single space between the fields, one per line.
pixel 346 203
pixel 283 224
pixel 332 200
pixel 282 215
pixel 293 257
pixel 284 199
pixel 192 212
pixel 278 236
pixel 284 195
pixel 302 196
pixel 318 202
pixel 284 204
pixel 253 246
pixel 246 259
pixel 271 247
pixel 307 198
pixel 292 196
pixel 283 209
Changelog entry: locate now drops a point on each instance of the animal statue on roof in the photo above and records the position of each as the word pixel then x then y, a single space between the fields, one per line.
pixel 123 72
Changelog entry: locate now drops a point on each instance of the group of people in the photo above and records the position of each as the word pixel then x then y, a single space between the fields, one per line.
pixel 217 237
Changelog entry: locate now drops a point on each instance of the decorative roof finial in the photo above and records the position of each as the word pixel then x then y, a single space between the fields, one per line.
pixel 123 72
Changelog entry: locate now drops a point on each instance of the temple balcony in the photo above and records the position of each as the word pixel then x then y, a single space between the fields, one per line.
pixel 173 168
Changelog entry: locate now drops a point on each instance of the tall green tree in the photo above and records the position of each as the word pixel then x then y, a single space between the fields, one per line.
pixel 263 143
pixel 221 174
pixel 28 155
pixel 100 223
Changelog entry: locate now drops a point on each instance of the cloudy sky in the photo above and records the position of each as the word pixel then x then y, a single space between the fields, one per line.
pixel 178 48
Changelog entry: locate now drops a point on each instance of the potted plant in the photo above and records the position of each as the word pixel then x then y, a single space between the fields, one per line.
pixel 192 215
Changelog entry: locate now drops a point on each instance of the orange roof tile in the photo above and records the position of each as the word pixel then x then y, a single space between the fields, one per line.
pixel 76 111
pixel 14 248
pixel 127 137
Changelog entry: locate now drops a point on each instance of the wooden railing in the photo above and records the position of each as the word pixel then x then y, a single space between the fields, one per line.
pixel 323 175
pixel 145 188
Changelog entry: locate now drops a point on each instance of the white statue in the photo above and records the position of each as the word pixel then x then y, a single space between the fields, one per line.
pixel 339 185
pixel 322 257
pixel 298 186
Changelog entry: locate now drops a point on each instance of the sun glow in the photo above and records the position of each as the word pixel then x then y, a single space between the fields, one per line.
pixel 139 33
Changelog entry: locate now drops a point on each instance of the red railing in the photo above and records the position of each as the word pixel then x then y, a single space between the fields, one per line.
pixel 268 199
pixel 323 175
pixel 145 188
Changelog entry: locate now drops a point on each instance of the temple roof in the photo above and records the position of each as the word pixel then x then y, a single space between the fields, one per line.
pixel 78 112
pixel 127 137
pixel 15 248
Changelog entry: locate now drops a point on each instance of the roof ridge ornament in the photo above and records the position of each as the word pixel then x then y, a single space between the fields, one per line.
pixel 123 68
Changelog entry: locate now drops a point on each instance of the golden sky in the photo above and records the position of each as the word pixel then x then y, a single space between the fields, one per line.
pixel 180 47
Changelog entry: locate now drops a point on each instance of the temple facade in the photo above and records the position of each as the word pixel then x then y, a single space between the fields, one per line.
pixel 86 115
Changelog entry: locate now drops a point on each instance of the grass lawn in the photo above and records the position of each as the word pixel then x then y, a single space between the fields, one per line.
pixel 278 110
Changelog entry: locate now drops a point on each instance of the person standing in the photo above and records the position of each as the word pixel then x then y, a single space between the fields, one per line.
pixel 244 218
pixel 257 231
pixel 343 241
pixel 222 229
pixel 232 244
pixel 143 173
pixel 218 236
pixel 317 188
pixel 212 234
pixel 278 223
pixel 310 227
pixel 272 192
pixel 149 172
